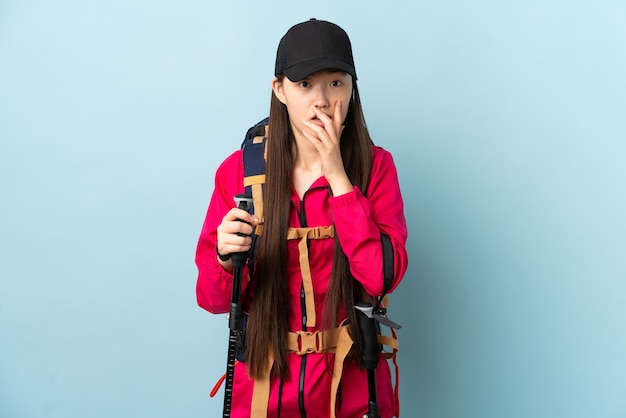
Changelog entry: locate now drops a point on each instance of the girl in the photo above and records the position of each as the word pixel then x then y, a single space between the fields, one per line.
pixel 331 206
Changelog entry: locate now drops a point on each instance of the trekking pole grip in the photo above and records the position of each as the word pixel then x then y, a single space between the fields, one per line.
pixel 367 325
pixel 244 201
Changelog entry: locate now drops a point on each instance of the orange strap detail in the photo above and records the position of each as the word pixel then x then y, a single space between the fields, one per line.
pixel 307 282
pixel 256 182
pixel 389 342
pixel 344 344
pixel 304 234
pixel 303 342
pixel 261 392
pixel 253 180
pixel 257 199
pixel 393 343
pixel 396 390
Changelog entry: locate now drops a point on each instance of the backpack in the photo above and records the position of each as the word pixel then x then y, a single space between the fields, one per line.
pixel 253 148
pixel 337 340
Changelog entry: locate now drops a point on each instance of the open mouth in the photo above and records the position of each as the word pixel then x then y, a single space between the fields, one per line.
pixel 317 121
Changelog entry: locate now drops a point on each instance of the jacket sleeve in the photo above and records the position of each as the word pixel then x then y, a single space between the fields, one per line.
pixel 363 224
pixel 214 284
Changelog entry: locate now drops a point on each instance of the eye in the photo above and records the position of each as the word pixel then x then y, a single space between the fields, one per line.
pixel 336 83
pixel 304 84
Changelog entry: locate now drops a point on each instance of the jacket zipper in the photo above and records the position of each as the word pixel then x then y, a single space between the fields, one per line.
pixel 301 381
pixel 303 358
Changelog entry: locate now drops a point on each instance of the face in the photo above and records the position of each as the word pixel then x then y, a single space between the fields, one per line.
pixel 318 92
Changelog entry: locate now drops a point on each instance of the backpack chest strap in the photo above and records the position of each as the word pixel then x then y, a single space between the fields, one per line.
pixel 304 342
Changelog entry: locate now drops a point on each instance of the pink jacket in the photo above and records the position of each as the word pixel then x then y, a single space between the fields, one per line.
pixel 358 221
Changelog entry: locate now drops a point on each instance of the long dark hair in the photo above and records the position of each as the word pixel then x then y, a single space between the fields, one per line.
pixel 268 324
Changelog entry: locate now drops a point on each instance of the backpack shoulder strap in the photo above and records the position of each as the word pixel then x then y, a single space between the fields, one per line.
pixel 253 147
pixel 387 263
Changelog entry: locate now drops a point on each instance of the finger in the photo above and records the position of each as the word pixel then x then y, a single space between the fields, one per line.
pixel 325 132
pixel 234 247
pixel 332 125
pixel 234 228
pixel 236 214
pixel 322 116
pixel 315 132
pixel 234 242
pixel 337 120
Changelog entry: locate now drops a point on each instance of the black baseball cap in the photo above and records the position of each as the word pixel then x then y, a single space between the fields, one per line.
pixel 312 46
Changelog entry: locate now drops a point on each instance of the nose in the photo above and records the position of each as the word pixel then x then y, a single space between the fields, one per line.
pixel 321 97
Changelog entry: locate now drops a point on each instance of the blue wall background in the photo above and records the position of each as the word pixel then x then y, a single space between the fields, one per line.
pixel 506 120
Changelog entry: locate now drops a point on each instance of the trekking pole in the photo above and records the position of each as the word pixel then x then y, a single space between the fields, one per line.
pixel 244 201
pixel 367 324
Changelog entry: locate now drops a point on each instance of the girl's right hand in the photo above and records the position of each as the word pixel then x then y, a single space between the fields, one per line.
pixel 233 235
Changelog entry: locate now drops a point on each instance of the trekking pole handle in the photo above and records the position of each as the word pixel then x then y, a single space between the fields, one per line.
pixel 243 201
pixel 367 324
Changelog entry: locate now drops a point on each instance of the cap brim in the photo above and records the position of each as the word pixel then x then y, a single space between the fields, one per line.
pixel 303 70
